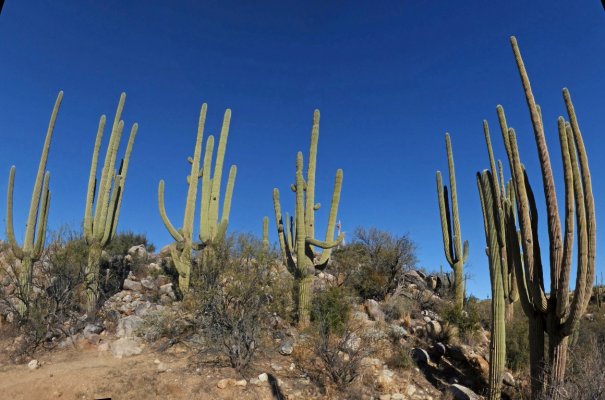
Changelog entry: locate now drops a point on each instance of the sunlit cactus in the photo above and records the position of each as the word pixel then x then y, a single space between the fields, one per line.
pixel 211 226
pixel 297 239
pixel 35 230
pixel 106 197
pixel 550 312
pixel 456 253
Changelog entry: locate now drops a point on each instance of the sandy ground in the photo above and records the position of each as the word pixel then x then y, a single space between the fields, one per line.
pixel 89 374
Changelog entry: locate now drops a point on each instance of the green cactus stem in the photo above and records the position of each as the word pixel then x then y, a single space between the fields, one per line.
pixel 265 234
pixel 211 226
pixel 550 312
pixel 35 231
pixel 296 238
pixel 456 253
pixel 106 196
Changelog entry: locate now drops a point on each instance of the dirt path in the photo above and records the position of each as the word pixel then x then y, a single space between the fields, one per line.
pixel 91 375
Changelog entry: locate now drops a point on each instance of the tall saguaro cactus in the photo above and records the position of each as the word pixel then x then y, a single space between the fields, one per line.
pixel 100 228
pixel 211 227
pixel 35 230
pixel 297 249
pixel 265 233
pixel 551 312
pixel 456 253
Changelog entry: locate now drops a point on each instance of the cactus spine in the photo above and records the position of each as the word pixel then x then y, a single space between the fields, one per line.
pixel 297 247
pixel 455 252
pixel 210 226
pixel 35 231
pixel 551 314
pixel 100 228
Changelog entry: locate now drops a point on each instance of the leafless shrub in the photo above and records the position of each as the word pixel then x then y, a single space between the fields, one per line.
pixel 51 309
pixel 235 292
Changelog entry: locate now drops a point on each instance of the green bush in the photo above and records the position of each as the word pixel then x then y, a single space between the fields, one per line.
pixel 468 321
pixel 373 263
pixel 330 309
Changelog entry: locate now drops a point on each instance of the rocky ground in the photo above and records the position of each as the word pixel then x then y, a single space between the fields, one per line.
pixel 123 357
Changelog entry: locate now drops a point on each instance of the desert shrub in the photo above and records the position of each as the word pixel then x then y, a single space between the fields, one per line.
pixel 467 321
pixel 235 290
pixel 331 309
pixel 400 358
pixel 52 308
pixel 517 341
pixel 123 241
pixel 333 346
pixel 165 323
pixel 373 263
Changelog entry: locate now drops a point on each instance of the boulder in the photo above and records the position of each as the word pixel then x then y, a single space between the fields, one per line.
pixel 125 347
pixel 127 326
pixel 138 251
pixel 286 348
pixel 420 356
pixel 33 364
pixel 373 310
pixel 460 392
pixel 132 285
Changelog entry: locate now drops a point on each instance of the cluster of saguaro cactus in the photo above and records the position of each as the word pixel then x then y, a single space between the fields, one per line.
pixel 297 238
pixel 35 231
pixel 101 227
pixel 455 252
pixel 549 312
pixel 211 227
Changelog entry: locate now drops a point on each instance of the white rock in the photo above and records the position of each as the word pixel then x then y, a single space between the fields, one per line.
pixel 33 364
pixel 263 377
pixel 241 383
pixel 126 347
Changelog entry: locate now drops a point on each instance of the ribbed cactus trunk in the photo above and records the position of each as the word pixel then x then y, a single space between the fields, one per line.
pixel 212 226
pixel 456 253
pixel 95 251
pixel 297 242
pixel 549 312
pixel 35 229
pixel 106 197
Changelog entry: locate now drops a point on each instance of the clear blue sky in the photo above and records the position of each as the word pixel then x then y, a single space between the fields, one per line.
pixel 390 78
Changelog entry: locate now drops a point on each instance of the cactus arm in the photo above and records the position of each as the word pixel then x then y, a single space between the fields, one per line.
pixel 228 195
pixel 301 256
pixel 588 195
pixel 28 243
pixel 206 191
pixel 10 230
pixel 122 172
pixel 490 153
pixel 577 306
pixel 90 193
pixel 554 224
pixel 42 218
pixel 324 244
pixel 188 217
pixel 265 233
pixel 444 216
pixel 523 213
pixel 311 168
pixel 457 239
pixel 325 255
pixel 103 191
pixel 566 149
pixel 111 210
pixel 218 173
pixel 279 223
pixel 173 232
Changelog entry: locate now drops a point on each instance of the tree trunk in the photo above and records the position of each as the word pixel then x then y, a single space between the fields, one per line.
pixel 305 288
pixel 458 285
pixel 536 355
pixel 557 354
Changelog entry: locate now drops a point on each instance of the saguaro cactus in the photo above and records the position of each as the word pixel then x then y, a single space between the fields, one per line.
pixel 456 253
pixel 297 250
pixel 265 233
pixel 553 313
pixel 101 227
pixel 35 231
pixel 210 227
